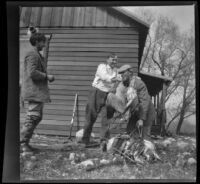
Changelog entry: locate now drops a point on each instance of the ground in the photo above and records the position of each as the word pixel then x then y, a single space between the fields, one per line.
pixel 52 162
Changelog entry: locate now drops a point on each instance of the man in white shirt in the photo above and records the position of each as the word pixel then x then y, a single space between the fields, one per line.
pixel 105 81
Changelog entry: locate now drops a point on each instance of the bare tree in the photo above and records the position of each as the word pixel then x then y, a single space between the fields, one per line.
pixel 167 51
pixel 184 78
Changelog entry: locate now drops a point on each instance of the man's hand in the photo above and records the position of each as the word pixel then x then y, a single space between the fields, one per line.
pixel 50 78
pixel 139 123
pixel 116 79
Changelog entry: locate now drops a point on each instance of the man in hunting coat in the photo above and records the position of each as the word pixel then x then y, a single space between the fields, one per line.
pixel 142 111
pixel 34 87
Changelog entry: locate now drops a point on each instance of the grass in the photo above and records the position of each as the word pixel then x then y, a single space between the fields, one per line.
pixel 55 165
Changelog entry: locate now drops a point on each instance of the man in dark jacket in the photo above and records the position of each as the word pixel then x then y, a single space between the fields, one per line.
pixel 34 88
pixel 141 109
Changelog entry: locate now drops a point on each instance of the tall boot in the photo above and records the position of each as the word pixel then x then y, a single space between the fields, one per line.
pixel 27 132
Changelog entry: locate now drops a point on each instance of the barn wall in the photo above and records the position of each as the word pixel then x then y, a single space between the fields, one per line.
pixel 74 55
pixel 82 38
pixel 73 17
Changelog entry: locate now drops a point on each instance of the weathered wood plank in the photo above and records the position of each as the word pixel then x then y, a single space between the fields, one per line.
pixel 68 97
pixel 116 20
pixel 62 133
pixel 81 17
pixel 59 117
pixel 64 128
pixel 22 20
pixel 134 54
pixel 69 82
pixel 58 101
pixel 86 30
pixel 95 36
pixel 84 49
pixel 99 17
pixel 46 16
pixel 63 87
pixel 72 68
pixel 59 112
pixel 105 41
pixel 89 59
pixel 56 18
pixel 35 16
pixel 93 45
pixel 88 16
pixel 109 20
pixel 67 13
pixel 77 73
pixel 69 92
pixel 25 16
pixel 133 62
pixel 94 9
pixel 76 12
pixel 66 107
pixel 64 123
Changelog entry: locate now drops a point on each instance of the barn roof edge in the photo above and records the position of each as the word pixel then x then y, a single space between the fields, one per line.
pixel 119 9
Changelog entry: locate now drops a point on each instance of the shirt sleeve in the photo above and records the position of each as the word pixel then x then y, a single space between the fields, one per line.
pixel 32 62
pixel 143 97
pixel 102 73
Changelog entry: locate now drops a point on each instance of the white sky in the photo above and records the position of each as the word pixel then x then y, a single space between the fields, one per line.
pixel 182 15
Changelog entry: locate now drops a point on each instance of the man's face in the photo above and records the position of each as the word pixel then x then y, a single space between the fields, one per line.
pixel 40 45
pixel 126 76
pixel 112 62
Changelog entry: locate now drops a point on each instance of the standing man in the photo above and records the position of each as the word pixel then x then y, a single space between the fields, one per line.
pixel 141 107
pixel 34 87
pixel 104 82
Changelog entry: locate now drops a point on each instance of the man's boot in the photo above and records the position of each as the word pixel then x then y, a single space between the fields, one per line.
pixel 27 132
pixel 25 147
pixel 103 146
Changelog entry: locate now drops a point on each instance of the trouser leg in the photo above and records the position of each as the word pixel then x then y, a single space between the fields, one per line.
pixel 134 116
pixel 33 117
pixel 132 123
pixel 107 115
pixel 96 101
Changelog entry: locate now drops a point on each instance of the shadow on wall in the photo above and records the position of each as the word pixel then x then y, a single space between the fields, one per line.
pixel 188 126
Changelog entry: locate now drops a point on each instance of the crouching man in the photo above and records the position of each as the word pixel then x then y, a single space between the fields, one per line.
pixel 142 111
pixel 34 88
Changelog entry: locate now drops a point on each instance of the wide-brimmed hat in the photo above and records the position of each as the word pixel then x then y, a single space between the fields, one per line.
pixel 124 68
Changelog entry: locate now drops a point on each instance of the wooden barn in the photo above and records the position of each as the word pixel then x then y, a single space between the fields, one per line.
pixel 80 38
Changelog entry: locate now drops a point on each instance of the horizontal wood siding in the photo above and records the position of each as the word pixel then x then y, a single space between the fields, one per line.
pixel 74 55
pixel 73 17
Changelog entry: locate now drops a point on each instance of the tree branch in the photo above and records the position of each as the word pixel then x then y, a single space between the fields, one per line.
pixel 155 60
pixel 189 115
pixel 173 119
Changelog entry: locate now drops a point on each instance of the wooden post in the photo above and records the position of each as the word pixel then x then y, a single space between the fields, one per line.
pixel 77 114
pixel 154 98
pixel 163 110
pixel 157 109
pixel 46 48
